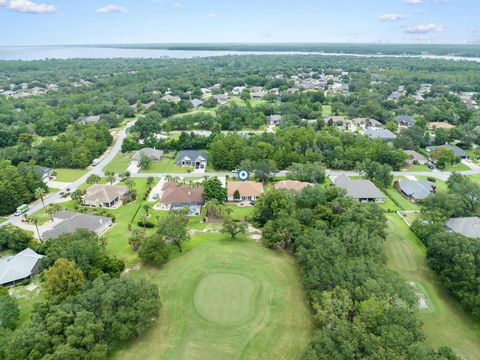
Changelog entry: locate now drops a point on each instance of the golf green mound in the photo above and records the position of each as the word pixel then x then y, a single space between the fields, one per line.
pixel 225 299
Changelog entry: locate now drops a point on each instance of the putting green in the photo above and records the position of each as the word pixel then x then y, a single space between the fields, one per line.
pixel 225 299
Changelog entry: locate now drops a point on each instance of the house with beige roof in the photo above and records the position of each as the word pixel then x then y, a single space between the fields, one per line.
pixel 440 125
pixel 100 195
pixel 246 190
pixel 291 185
pixel 176 197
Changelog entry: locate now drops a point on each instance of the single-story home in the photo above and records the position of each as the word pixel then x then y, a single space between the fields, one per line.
pixel 170 98
pixel 258 95
pixel 174 197
pixel 415 190
pixel 335 120
pixel 247 190
pixel 466 226
pixel 405 120
pixel 222 98
pixel 195 158
pixel 274 119
pixel 380 133
pixel 459 152
pixel 196 103
pixel 19 267
pixel 154 154
pixel 69 222
pixel 100 195
pixel 90 119
pixel 291 185
pixel 440 125
pixel 361 190
pixel 415 157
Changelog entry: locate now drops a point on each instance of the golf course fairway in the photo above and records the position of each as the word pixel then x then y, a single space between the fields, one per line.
pixel 226 299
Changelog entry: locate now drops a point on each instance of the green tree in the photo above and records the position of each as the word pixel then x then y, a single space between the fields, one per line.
pixel 213 190
pixel 153 250
pixel 63 279
pixel 136 238
pixel 110 175
pixel 39 193
pixel 52 209
pixel 263 169
pixel 130 183
pixel 9 311
pixel 77 195
pixel 145 162
pixel 93 179
pixel 232 227
pixel 444 157
pixel 173 228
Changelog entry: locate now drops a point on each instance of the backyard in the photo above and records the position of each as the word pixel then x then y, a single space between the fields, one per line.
pixel 445 322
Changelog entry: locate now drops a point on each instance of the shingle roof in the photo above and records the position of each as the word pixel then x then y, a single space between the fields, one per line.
pixel 181 195
pixel 467 226
pixel 379 133
pixel 245 188
pixel 358 189
pixel 73 221
pixel 415 155
pixel 456 150
pixel 416 189
pixel 153 154
pixel 291 185
pixel 18 267
pixel 405 119
pixel 192 155
pixel 104 193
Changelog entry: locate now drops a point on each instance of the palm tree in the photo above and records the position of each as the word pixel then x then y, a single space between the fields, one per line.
pixel 130 184
pixel 39 192
pixel 93 179
pixel 110 176
pixel 52 209
pixel 147 208
pixel 34 219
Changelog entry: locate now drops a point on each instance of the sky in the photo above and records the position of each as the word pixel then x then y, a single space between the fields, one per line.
pixel 56 22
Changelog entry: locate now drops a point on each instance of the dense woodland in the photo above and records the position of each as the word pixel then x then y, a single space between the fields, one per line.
pixel 360 309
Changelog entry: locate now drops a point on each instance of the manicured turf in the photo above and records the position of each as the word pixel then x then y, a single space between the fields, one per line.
pixel 400 200
pixel 119 164
pixel 166 166
pixel 326 110
pixel 417 168
pixel 69 175
pixel 445 323
pixel 457 167
pixel 475 178
pixel 240 212
pixel 226 300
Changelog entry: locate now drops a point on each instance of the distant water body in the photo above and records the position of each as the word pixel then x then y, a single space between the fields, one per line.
pixel 81 52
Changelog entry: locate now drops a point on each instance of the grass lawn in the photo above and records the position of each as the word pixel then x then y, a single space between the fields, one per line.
pixel 389 205
pixel 2 219
pixel 326 110
pixel 26 300
pixel 457 167
pixel 440 184
pixel 417 168
pixel 475 178
pixel 226 299
pixel 445 322
pixel 400 200
pixel 119 164
pixel 69 175
pixel 166 166
pixel 240 212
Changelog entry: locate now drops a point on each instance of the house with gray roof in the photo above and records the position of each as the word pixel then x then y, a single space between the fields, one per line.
pixel 196 103
pixel 415 190
pixel 68 222
pixel 154 154
pixel 459 152
pixel 415 157
pixel 170 98
pixel 466 226
pixel 274 119
pixel 380 133
pixel 22 266
pixel 192 158
pixel 361 190
pixel 405 120
pixel 90 119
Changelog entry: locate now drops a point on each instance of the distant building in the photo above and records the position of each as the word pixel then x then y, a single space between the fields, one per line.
pixel 439 125
pixel 404 120
pixel 22 266
pixel 193 158
pixel 90 119
pixel 291 185
pixel 415 190
pixel 221 98
pixel 467 226
pixel 274 119
pixel 415 157
pixel 153 154
pixel 459 152
pixel 361 190
pixel 196 103
pixel 170 98
pixel 107 196
pixel 69 222
pixel 380 133
pixel 247 190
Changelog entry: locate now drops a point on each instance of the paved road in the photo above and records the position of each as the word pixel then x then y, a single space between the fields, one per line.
pixel 97 170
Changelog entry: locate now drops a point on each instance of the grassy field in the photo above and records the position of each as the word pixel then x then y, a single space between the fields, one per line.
pixel 166 166
pixel 226 299
pixel 119 164
pixel 326 110
pixel 417 168
pixel 457 167
pixel 69 175
pixel 402 202
pixel 445 323
pixel 475 178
